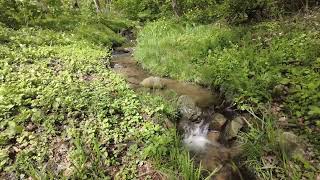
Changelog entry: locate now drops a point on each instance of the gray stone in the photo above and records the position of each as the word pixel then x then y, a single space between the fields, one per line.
pixel 153 83
pixel 218 120
pixel 188 109
pixel 233 128
pixel 122 50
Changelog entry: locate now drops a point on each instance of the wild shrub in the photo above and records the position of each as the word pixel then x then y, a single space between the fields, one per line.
pixel 142 9
pixel 204 11
pixel 246 63
pixel 63 114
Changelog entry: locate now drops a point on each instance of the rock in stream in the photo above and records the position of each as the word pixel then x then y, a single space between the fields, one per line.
pixel 202 134
pixel 153 83
pixel 188 109
pixel 218 121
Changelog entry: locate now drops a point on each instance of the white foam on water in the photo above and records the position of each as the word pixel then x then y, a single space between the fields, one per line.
pixel 195 137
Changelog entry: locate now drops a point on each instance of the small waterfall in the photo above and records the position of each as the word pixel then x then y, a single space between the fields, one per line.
pixel 195 136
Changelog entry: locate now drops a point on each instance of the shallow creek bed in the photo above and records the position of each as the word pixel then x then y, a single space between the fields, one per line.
pixel 208 128
pixel 208 125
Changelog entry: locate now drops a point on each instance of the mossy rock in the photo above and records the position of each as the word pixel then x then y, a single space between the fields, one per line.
pixel 188 109
pixel 233 128
pixel 217 122
pixel 153 83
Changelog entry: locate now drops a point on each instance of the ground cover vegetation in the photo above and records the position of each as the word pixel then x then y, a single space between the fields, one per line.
pixel 253 64
pixel 203 11
pixel 259 54
pixel 63 113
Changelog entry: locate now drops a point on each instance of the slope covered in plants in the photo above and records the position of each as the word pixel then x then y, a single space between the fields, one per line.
pixel 268 67
pixel 248 63
pixel 64 113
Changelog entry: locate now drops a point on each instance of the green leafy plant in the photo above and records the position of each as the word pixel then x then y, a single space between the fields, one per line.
pixel 63 113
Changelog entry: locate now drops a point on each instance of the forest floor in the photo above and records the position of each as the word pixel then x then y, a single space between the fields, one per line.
pixel 64 113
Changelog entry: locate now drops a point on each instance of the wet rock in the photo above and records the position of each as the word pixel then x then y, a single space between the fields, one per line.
pixel 214 136
pixel 129 49
pixel 230 113
pixel 233 128
pixel 218 120
pixel 153 83
pixel 214 158
pixel 122 50
pixel 118 66
pixel 168 124
pixel 187 107
pixel 182 125
pixel 225 173
pixel 128 33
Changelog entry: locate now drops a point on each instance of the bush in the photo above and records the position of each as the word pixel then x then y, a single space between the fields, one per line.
pixel 204 11
pixel 63 114
pixel 245 62
pixel 142 10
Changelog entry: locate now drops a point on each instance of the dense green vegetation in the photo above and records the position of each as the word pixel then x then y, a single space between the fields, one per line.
pixel 65 114
pixel 259 67
pixel 203 11
pixel 247 63
pixel 274 61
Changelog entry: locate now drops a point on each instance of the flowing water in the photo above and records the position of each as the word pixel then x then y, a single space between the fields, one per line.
pixel 134 74
pixel 212 153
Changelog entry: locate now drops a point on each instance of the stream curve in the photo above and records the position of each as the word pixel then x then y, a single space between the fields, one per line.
pixel 211 145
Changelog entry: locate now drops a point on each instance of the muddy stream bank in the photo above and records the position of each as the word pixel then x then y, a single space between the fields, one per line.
pixel 208 129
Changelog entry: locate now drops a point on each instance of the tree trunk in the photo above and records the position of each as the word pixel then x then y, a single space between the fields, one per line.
pixel 175 7
pixel 97 4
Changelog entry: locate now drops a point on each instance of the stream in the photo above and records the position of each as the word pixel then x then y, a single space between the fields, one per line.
pixel 208 131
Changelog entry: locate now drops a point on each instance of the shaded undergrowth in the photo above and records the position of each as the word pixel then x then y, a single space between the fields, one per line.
pixel 63 114
pixel 273 62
